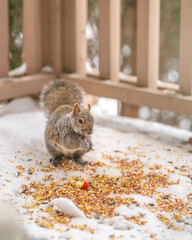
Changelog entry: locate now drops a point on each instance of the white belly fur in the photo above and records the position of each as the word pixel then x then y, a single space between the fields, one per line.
pixel 67 151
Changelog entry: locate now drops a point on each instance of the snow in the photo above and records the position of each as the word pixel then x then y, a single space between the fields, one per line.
pixel 18 71
pixel 162 148
pixel 68 207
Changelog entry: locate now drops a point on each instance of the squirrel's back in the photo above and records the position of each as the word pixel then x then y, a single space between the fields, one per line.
pixel 60 92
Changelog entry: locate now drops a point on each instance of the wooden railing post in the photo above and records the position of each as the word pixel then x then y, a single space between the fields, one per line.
pixel 148 15
pixel 125 108
pixel 32 47
pixel 74 47
pixel 51 34
pixel 109 39
pixel 56 36
pixel 4 39
pixel 185 75
pixel 129 110
pixel 147 52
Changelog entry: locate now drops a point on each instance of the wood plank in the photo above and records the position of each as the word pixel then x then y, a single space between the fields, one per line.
pixel 74 48
pixel 123 92
pixel 56 35
pixel 104 39
pixel 160 84
pixel 4 39
pixel 17 87
pixel 134 95
pixel 68 36
pixel 148 15
pixel 46 33
pixel 132 110
pixel 80 35
pixel 32 53
pixel 129 110
pixel 51 33
pixel 185 74
pixel 109 39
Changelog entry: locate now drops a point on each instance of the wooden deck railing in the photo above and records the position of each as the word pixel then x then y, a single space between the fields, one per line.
pixel 55 34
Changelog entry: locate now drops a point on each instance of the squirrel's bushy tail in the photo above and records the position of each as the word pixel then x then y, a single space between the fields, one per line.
pixel 60 92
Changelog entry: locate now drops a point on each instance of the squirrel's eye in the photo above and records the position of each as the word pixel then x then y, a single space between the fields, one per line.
pixel 81 121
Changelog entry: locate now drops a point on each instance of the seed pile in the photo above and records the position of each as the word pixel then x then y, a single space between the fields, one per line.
pixel 107 192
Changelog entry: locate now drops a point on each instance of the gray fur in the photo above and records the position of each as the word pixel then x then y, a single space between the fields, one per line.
pixel 65 137
pixel 60 92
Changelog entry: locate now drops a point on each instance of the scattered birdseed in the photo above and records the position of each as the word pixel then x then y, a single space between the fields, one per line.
pixel 105 193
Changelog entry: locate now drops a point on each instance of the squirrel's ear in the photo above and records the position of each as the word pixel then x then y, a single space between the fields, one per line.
pixel 76 109
pixel 89 107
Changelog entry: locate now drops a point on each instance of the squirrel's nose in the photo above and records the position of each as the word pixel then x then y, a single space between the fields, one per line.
pixel 89 132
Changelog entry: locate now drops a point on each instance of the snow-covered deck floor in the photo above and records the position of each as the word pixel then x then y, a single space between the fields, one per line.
pixel 140 182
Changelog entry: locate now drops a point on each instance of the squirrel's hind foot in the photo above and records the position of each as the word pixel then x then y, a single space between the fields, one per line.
pixel 80 161
pixel 57 161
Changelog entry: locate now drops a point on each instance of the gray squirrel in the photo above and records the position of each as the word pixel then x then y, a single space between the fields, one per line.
pixel 70 125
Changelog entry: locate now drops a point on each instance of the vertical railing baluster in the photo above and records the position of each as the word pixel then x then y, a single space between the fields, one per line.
pixel 46 24
pixel 147 63
pixel 185 74
pixel 32 51
pixel 4 38
pixel 125 108
pixel 73 25
pixel 109 39
pixel 56 35
pixel 51 34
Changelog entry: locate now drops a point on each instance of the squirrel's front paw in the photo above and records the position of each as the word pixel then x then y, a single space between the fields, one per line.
pixel 90 145
pixel 85 144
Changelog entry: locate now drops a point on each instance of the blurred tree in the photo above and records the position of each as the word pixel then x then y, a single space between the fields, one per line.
pixel 15 33
pixel 169 41
pixel 92 34
pixel 128 37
